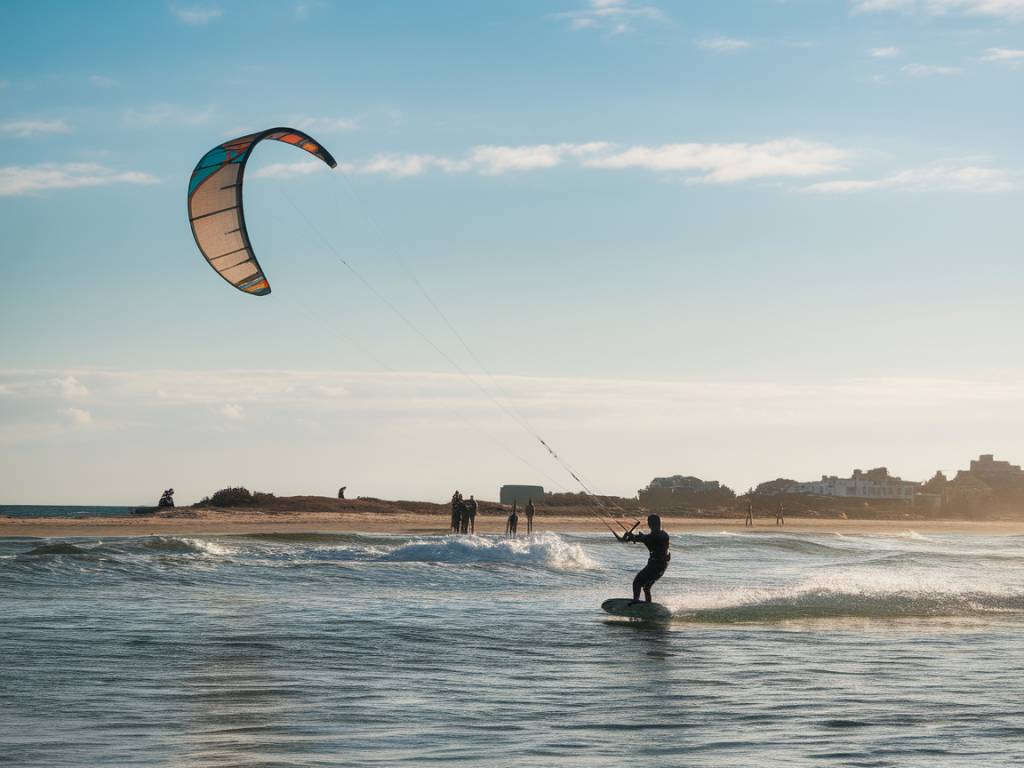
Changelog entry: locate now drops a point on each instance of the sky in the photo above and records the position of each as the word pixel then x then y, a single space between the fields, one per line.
pixel 739 240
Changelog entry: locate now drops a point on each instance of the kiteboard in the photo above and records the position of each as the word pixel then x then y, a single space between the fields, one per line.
pixel 623 606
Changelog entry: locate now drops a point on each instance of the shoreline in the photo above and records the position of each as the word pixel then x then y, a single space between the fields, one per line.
pixel 207 523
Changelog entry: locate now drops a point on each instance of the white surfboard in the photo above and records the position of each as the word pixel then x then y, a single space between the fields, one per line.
pixel 623 606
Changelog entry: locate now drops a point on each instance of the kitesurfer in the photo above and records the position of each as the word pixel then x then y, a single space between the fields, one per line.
pixel 470 514
pixel 657 543
pixel 748 521
pixel 780 515
pixel 530 511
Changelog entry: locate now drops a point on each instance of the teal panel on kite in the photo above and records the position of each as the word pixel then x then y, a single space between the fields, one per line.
pixel 215 206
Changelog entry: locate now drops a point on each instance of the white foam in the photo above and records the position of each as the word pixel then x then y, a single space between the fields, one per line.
pixel 547 550
pixel 858 592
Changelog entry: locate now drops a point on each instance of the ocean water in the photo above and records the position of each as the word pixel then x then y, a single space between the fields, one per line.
pixel 39 510
pixel 370 650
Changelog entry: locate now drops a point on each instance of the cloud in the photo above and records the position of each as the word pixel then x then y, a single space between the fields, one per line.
pixel 1012 55
pixel 713 163
pixel 931 70
pixel 167 114
pixel 25 129
pixel 729 163
pixel 101 81
pixel 495 160
pixel 945 178
pixel 24 180
pixel 197 15
pixel 885 53
pixel 78 417
pixel 287 170
pixel 613 16
pixel 324 124
pixel 1012 10
pixel 722 44
pixel 232 412
pixel 71 388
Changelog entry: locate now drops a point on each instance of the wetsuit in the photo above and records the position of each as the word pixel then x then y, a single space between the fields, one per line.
pixel 657 543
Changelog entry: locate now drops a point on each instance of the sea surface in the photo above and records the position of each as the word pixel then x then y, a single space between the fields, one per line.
pixel 371 650
pixel 39 510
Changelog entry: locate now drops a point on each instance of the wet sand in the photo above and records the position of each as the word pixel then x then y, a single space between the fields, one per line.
pixel 244 522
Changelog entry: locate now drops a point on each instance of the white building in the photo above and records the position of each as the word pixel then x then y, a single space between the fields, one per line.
pixel 873 484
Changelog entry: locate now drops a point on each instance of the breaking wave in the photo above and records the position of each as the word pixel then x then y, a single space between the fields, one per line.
pixel 545 550
pixel 852 595
pixel 186 546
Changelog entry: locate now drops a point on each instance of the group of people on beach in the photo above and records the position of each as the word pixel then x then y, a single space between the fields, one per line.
pixel 780 516
pixel 464 516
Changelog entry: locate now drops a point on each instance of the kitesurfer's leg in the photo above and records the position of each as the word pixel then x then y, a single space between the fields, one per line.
pixel 646 578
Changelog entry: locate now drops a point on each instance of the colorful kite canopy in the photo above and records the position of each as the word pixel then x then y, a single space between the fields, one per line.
pixel 215 206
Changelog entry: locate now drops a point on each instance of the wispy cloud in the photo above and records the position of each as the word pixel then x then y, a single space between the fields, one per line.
pixel 889 52
pixel 729 163
pixel 1006 9
pixel 167 114
pixel 931 70
pixel 232 412
pixel 18 180
pixel 722 44
pixel 197 15
pixel 101 81
pixel 287 170
pixel 1006 55
pixel 707 163
pixel 613 16
pixel 25 129
pixel 77 417
pixel 941 177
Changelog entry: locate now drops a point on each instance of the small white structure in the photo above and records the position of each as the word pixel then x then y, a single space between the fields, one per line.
pixel 873 484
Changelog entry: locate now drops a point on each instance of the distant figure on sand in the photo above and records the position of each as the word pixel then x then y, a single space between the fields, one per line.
pixel 341 492
pixel 470 515
pixel 513 522
pixel 749 521
pixel 529 516
pixel 456 512
pixel 657 543
pixel 780 515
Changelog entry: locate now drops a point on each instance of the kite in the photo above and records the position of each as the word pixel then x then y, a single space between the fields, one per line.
pixel 215 206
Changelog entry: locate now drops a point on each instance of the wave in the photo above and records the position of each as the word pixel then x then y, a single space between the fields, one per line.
pixel 852 595
pixel 186 546
pixel 545 550
pixel 58 548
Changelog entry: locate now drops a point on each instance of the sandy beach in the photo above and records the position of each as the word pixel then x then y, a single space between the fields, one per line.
pixel 238 522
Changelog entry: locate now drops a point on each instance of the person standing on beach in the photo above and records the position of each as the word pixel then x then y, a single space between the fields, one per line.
pixel 529 516
pixel 749 521
pixel 456 512
pixel 470 515
pixel 513 522
pixel 780 515
pixel 657 543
